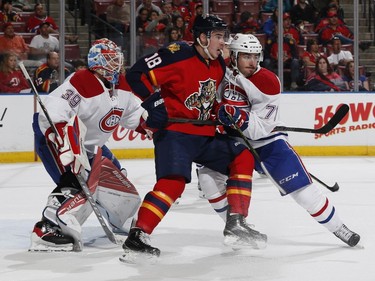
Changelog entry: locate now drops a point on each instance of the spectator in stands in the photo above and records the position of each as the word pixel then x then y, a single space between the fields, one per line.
pixel 269 6
pixel 168 12
pixel 141 21
pixel 339 56
pixel 312 53
pixel 154 36
pixel 11 42
pixel 7 13
pixel 289 30
pixel 154 25
pixel 79 64
pixel 348 77
pixel 269 25
pixel 290 57
pixel 324 78
pixel 323 17
pixel 43 43
pixel 303 11
pixel 196 11
pixel 47 75
pixel 11 78
pixel 118 15
pixel 23 5
pixel 149 6
pixel 179 23
pixel 247 24
pixel 332 6
pixel 179 7
pixel 40 16
pixel 173 36
pixel 334 28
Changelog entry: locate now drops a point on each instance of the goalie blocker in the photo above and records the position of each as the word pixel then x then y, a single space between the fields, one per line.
pixel 67 208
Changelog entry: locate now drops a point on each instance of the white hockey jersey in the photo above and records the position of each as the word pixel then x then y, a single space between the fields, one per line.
pixel 259 94
pixel 84 94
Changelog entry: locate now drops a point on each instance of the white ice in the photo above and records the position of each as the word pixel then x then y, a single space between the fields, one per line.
pixel 190 236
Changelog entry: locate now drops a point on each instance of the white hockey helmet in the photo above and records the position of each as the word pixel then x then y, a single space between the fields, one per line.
pixel 106 58
pixel 245 43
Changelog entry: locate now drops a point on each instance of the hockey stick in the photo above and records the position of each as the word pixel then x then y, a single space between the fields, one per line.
pixel 336 118
pixel 257 158
pixel 333 188
pixel 80 178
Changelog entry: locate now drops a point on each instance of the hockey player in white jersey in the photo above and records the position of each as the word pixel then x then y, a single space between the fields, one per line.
pixel 99 98
pixel 251 96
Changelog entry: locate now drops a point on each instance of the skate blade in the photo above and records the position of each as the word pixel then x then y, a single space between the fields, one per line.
pixel 49 249
pixel 38 245
pixel 237 243
pixel 132 257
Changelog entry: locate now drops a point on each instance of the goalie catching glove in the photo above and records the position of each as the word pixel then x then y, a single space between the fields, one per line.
pixel 70 144
pixel 228 115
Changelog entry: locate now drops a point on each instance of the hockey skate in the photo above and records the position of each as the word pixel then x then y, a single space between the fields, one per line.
pixel 238 234
pixel 347 236
pixel 46 237
pixel 137 248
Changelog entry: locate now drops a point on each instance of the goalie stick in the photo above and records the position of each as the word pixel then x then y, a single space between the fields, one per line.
pixel 336 118
pixel 257 158
pixel 80 178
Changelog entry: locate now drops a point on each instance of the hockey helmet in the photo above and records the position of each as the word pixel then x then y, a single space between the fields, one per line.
pixel 206 24
pixel 245 43
pixel 105 58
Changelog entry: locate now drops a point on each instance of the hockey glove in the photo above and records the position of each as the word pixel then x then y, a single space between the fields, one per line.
pixel 239 117
pixel 157 113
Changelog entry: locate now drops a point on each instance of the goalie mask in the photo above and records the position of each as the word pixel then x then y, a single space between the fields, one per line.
pixel 245 43
pixel 105 58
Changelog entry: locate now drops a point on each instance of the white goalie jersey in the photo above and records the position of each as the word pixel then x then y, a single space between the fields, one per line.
pixel 101 111
pixel 259 95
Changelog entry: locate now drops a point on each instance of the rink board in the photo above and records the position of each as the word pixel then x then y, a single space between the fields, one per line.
pixel 355 135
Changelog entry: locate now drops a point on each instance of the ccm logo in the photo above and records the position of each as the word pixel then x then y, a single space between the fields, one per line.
pixel 158 102
pixel 288 178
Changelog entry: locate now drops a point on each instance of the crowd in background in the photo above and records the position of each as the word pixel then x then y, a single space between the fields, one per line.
pixel 312 30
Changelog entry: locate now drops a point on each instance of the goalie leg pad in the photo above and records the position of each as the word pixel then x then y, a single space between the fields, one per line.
pixel 117 195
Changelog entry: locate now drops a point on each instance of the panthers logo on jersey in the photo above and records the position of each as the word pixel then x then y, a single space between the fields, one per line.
pixel 173 47
pixel 204 99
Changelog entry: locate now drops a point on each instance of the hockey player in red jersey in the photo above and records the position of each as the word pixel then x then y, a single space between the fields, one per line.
pixel 186 78
pixel 99 97
pixel 245 89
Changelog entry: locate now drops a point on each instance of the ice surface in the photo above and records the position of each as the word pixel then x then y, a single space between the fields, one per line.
pixel 190 236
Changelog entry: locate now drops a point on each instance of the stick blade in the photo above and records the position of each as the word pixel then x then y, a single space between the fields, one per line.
pixel 336 118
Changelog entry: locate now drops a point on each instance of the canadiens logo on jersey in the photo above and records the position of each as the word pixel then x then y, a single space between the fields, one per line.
pixel 111 120
pixel 236 96
pixel 203 100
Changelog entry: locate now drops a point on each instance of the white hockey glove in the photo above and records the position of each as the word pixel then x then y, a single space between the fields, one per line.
pixel 73 152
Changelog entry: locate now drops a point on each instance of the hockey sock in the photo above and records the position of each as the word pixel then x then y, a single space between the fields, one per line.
pixel 239 183
pixel 318 206
pixel 157 202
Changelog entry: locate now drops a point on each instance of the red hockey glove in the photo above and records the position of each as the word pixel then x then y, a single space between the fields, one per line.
pixel 239 117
